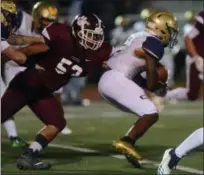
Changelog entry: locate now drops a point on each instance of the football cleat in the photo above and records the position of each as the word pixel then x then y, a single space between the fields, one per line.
pixel 29 161
pixel 169 161
pixel 128 150
pixel 17 142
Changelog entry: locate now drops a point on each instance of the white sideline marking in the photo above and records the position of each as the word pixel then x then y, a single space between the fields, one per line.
pixel 86 150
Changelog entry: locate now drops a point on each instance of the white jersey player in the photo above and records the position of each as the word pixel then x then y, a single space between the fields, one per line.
pixel 8 24
pixel 25 28
pixel 172 157
pixel 141 52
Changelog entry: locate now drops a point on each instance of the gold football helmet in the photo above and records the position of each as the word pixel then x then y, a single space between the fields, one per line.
pixel 9 6
pixel 44 10
pixel 8 14
pixel 163 24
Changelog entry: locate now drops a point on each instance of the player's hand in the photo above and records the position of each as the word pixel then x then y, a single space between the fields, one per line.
pixel 161 89
pixel 198 63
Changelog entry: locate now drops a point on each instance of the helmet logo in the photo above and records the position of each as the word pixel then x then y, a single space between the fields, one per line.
pixel 82 20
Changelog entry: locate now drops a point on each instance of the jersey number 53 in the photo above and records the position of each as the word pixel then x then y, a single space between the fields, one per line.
pixel 61 67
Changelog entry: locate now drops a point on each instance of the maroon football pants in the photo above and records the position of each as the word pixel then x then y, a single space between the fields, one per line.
pixel 193 81
pixel 45 106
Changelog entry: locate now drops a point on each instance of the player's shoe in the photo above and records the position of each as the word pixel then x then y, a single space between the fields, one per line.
pixel 66 131
pixel 29 161
pixel 168 163
pixel 17 142
pixel 128 150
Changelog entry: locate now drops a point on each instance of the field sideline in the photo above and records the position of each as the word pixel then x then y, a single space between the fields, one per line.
pixel 88 150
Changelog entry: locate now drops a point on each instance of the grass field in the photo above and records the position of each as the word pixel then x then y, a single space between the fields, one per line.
pixel 88 150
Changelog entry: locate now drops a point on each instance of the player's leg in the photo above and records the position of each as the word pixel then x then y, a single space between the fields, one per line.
pixel 171 157
pixel 121 91
pixel 9 125
pixel 51 113
pixel 57 94
pixel 11 102
pixel 192 84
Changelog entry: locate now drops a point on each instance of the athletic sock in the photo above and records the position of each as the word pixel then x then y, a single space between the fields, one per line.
pixel 10 128
pixel 193 141
pixel 39 143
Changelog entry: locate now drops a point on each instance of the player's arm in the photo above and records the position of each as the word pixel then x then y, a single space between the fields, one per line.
pixel 24 40
pixel 190 46
pixel 12 54
pixel 195 32
pixel 152 51
pixel 151 71
pixel 34 49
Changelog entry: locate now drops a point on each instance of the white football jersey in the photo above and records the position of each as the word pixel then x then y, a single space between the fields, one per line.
pixel 25 29
pixel 26 26
pixel 124 59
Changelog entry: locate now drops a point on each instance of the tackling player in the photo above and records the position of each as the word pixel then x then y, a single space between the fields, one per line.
pixel 194 62
pixel 141 52
pixel 27 33
pixel 172 157
pixel 70 52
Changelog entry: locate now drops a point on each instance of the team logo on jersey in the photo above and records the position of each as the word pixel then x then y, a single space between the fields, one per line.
pixel 143 97
pixel 82 20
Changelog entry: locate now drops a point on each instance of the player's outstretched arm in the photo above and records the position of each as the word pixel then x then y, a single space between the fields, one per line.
pixel 151 68
pixel 193 52
pixel 34 49
pixel 190 46
pixel 14 55
pixel 24 40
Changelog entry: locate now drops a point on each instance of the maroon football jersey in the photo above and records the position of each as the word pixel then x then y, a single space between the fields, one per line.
pixel 197 33
pixel 66 58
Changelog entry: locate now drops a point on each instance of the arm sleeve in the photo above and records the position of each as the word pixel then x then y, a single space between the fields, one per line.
pixel 4 45
pixel 153 47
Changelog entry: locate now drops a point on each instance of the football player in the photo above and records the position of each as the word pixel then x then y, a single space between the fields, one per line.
pixel 8 25
pixel 194 63
pixel 141 52
pixel 69 52
pixel 26 33
pixel 172 157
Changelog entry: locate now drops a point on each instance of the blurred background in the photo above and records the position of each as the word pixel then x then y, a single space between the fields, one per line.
pixel 122 18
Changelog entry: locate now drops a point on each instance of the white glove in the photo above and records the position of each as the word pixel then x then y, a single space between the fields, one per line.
pixel 198 63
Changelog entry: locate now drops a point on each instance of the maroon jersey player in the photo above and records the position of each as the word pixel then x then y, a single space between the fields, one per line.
pixel 194 41
pixel 71 52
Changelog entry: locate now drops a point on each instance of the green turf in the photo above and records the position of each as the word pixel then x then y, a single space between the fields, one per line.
pixel 94 128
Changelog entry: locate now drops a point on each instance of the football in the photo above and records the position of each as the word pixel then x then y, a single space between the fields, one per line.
pixel 162 73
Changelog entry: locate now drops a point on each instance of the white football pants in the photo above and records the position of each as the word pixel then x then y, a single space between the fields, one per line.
pixel 122 92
